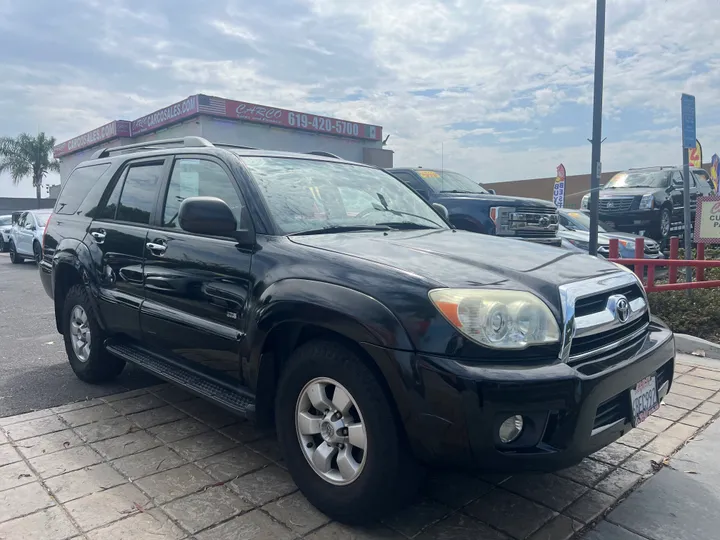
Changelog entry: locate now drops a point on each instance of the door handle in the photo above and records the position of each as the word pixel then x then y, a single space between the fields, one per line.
pixel 156 248
pixel 99 236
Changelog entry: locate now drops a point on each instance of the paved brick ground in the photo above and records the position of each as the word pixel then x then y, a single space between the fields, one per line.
pixel 160 464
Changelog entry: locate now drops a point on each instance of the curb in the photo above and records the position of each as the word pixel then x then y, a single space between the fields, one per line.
pixel 689 344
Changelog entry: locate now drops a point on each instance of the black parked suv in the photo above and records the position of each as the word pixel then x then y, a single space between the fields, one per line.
pixel 649 199
pixel 475 209
pixel 373 337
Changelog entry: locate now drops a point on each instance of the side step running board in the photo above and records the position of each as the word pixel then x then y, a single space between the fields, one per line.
pixel 233 400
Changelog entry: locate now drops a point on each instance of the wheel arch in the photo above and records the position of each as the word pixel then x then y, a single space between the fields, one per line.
pixel 293 313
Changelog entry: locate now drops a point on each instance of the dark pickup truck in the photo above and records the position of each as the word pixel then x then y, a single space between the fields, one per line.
pixel 473 208
pixel 374 338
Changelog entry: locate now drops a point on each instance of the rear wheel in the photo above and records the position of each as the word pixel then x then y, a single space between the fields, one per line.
pixel 339 435
pixel 84 340
pixel 14 257
pixel 3 247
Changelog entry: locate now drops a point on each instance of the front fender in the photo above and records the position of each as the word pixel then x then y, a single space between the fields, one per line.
pixel 347 312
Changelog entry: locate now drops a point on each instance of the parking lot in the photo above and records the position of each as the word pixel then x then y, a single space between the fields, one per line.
pixel 34 373
pixel 139 459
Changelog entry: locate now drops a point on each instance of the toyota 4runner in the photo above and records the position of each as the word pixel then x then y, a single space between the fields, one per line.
pixel 373 338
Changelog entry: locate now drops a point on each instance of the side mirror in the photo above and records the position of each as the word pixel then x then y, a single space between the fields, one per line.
pixel 442 211
pixel 208 215
pixel 492 192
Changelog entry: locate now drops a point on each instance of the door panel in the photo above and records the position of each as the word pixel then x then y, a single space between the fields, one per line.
pixel 117 241
pixel 196 287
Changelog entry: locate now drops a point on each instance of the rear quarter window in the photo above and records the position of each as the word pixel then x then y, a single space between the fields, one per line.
pixel 80 187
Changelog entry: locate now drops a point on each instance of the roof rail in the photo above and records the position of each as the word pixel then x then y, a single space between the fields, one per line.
pixel 653 167
pixel 190 141
pixel 324 154
pixel 236 146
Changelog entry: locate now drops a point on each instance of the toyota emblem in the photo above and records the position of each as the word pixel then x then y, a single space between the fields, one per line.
pixel 619 306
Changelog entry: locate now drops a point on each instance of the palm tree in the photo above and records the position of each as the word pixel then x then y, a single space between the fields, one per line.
pixel 26 155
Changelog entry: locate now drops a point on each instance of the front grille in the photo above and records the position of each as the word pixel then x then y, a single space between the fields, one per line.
pixel 653 249
pixel 600 341
pixel 535 233
pixel 616 204
pixel 611 411
pixel 597 302
pixel 548 210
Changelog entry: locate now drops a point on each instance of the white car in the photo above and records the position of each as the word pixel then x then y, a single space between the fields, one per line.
pixel 5 226
pixel 26 236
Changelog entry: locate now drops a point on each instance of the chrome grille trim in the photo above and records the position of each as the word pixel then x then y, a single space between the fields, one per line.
pixel 610 346
pixel 604 320
pixel 572 292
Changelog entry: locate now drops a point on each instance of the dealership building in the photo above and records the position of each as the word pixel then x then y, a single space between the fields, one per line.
pixel 232 122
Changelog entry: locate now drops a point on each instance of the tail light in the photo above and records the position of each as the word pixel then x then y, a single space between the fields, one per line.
pixel 45 231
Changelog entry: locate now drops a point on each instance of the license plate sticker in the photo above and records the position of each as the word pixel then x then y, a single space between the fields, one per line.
pixel 644 400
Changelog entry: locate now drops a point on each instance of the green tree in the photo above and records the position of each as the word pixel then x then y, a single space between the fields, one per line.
pixel 27 156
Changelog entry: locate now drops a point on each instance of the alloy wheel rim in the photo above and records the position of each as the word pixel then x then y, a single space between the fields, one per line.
pixel 665 223
pixel 80 335
pixel 331 431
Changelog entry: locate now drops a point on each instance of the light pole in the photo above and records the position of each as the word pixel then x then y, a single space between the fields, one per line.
pixel 597 124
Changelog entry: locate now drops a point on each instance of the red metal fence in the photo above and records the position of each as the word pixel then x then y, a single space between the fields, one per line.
pixel 639 263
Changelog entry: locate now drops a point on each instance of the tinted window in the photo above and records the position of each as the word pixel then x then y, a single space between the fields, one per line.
pixel 110 208
pixel 77 187
pixel 450 182
pixel 139 193
pixel 199 178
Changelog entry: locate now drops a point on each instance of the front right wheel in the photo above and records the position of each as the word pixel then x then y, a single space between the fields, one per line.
pixel 339 435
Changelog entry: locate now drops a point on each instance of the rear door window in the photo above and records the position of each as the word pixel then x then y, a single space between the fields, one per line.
pixel 78 186
pixel 139 193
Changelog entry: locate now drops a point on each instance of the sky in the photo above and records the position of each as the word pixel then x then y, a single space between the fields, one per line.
pixel 497 90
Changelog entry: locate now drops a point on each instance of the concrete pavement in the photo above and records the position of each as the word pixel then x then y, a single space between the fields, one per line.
pixel 158 463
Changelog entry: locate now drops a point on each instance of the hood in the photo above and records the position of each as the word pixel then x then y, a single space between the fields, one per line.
pixel 463 259
pixel 495 200
pixel 582 236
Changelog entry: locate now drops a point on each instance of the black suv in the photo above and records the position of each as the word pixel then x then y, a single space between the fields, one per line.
pixel 649 200
pixel 473 208
pixel 326 298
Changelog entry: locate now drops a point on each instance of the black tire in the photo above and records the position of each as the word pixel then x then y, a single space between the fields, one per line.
pixel 37 252
pixel 14 257
pixel 3 247
pixel 390 475
pixel 100 366
pixel 662 232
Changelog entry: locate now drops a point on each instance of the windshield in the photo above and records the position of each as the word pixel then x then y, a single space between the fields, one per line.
pixel 41 219
pixel 448 181
pixel 651 179
pixel 5 221
pixel 577 221
pixel 306 195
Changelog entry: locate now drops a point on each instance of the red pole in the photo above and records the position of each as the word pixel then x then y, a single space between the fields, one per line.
pixel 640 254
pixel 700 257
pixel 614 248
pixel 674 246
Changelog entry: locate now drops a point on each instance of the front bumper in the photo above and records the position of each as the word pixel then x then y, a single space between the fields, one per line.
pixel 633 220
pixel 553 241
pixel 455 408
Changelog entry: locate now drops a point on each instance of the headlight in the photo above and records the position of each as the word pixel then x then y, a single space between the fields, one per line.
pixel 498 319
pixel 585 203
pixel 647 201
pixel 580 244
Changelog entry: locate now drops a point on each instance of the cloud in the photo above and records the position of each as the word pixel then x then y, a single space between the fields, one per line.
pixel 505 87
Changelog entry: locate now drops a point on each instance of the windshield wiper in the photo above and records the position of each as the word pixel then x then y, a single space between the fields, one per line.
pixel 385 208
pixel 342 229
pixel 405 225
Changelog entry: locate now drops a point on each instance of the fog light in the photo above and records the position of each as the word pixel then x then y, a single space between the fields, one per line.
pixel 511 429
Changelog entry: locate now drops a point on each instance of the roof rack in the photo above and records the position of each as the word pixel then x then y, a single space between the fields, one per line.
pixel 236 146
pixel 190 141
pixel 324 154
pixel 653 167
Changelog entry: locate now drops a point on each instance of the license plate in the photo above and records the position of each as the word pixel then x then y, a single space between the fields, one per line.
pixel 644 399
